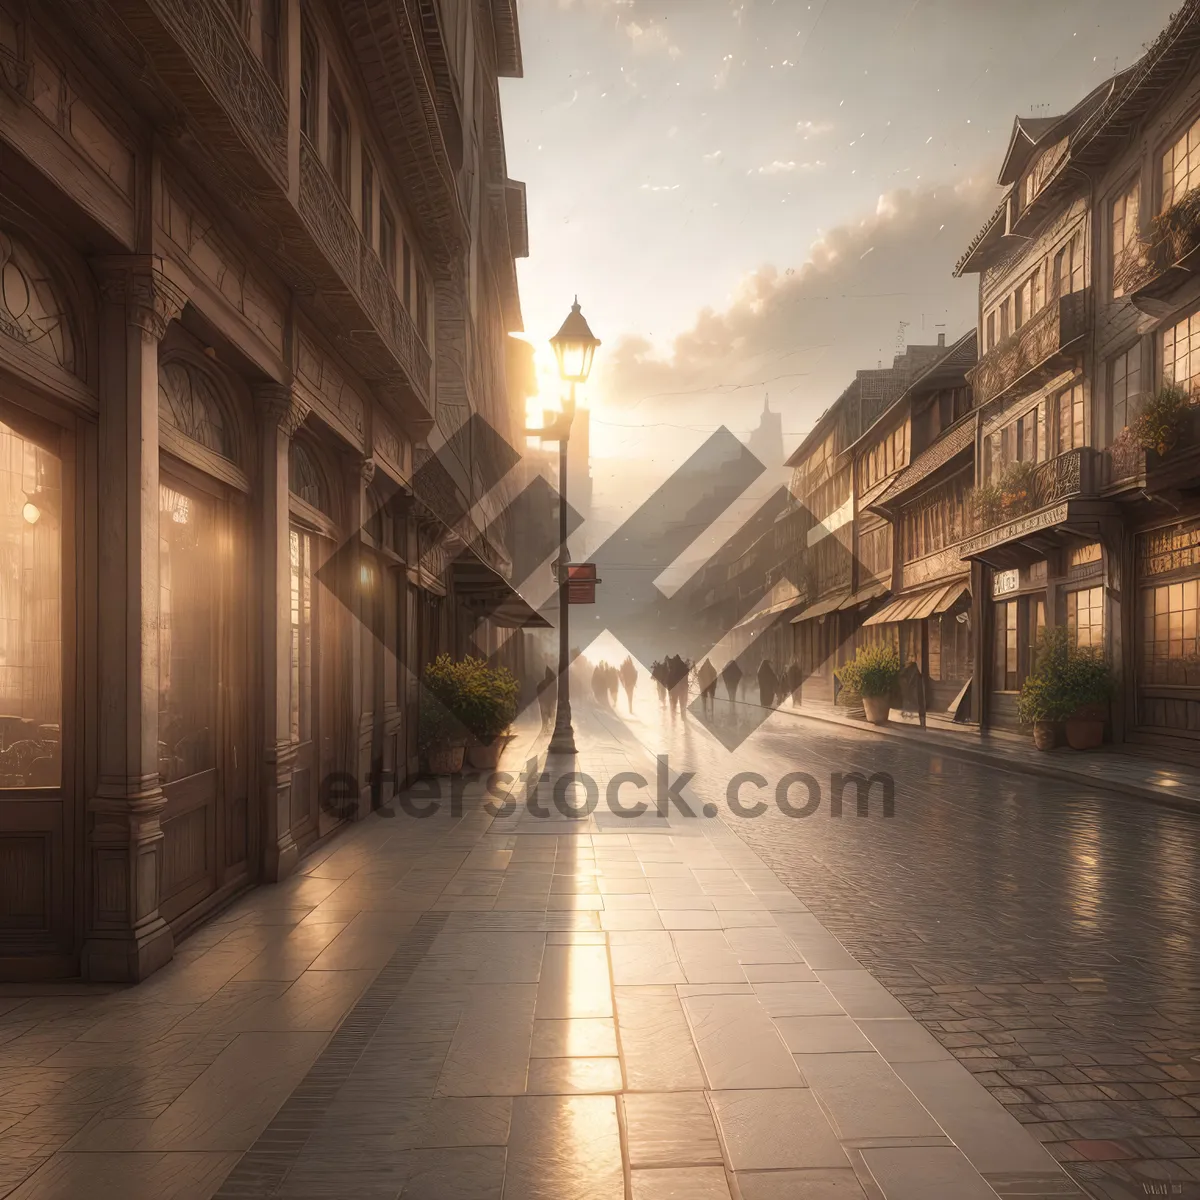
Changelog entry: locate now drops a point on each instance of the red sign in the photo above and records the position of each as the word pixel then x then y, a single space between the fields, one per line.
pixel 581 583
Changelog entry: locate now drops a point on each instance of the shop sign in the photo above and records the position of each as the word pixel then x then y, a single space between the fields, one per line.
pixel 1004 582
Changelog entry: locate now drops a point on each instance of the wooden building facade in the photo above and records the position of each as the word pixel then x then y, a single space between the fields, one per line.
pixel 256 259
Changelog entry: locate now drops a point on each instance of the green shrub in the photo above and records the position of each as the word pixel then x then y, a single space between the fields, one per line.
pixel 1163 419
pixel 1065 680
pixel 465 700
pixel 873 671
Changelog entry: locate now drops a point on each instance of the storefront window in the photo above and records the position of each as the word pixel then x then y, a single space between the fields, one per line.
pixel 1085 617
pixel 187 633
pixel 30 613
pixel 1170 645
pixel 302 647
pixel 1007 664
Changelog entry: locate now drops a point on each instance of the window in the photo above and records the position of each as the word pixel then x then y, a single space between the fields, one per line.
pixel 991 330
pixel 187 400
pixel 368 198
pixel 1181 167
pixel 422 314
pixel 1068 267
pixel 1070 419
pixel 1007 664
pixel 1006 324
pixel 187 633
pixel 30 612
pixel 269 33
pixel 387 238
pixel 1125 382
pixel 309 81
pixel 1181 353
pixel 337 156
pixel 1024 302
pixel 300 691
pixel 305 479
pixel 1085 617
pixel 1027 439
pixel 406 283
pixel 1126 246
pixel 1171 633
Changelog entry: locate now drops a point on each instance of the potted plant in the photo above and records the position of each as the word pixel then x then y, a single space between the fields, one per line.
pixel 1045 701
pixel 1163 420
pixel 1090 687
pixel 872 675
pixel 441 732
pixel 1017 489
pixel 489 707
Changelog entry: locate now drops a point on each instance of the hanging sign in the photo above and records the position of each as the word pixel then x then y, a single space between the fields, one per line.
pixel 581 583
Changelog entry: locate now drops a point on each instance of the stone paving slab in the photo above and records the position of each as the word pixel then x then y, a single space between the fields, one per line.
pixel 517 1007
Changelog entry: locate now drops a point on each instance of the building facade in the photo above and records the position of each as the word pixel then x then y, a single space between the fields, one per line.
pixel 257 263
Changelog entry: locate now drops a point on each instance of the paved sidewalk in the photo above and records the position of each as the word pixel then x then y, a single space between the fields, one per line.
pixel 520 1008
pixel 1131 774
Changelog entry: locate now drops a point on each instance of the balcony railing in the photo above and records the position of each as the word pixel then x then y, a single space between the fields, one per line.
pixel 1036 347
pixel 1022 502
pixel 1149 267
pixel 329 220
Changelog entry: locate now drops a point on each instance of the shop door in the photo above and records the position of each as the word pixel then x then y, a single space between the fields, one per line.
pixel 202 715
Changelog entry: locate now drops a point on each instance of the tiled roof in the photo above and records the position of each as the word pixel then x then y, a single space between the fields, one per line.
pixel 953 442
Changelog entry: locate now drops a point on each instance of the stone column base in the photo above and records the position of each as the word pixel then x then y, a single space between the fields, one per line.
pixel 127 956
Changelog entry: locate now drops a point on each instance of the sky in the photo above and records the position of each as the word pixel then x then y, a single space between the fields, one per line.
pixel 762 196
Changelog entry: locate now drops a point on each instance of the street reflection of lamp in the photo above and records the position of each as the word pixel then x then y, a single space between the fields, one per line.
pixel 574 347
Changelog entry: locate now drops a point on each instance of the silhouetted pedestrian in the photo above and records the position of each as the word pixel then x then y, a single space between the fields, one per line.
pixel 706 677
pixel 731 675
pixel 547 694
pixel 629 677
pixel 768 684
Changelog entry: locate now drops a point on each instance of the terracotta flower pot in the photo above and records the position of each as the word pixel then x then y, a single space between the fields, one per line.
pixel 444 759
pixel 1045 734
pixel 1085 732
pixel 486 757
pixel 877 709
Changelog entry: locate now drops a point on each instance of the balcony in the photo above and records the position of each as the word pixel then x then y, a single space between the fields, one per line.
pixel 1045 345
pixel 1165 261
pixel 1020 517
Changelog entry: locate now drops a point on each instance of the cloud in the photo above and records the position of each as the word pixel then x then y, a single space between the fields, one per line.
pixel 779 167
pixel 813 128
pixel 715 156
pixel 802 332
pixel 651 38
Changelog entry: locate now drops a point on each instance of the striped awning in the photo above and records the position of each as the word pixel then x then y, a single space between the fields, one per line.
pixel 865 594
pixel 916 606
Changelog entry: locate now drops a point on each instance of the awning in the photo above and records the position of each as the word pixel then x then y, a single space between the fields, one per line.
pixel 916 606
pixel 828 605
pixel 491 595
pixel 762 615
pixel 871 592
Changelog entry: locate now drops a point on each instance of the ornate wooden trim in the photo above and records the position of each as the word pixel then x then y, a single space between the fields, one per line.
pixel 281 405
pixel 153 291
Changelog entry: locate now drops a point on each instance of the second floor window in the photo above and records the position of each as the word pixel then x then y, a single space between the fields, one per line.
pixel 1125 245
pixel 337 155
pixel 368 198
pixel 309 82
pixel 1181 353
pixel 1068 267
pixel 1125 382
pixel 1181 166
pixel 1071 433
pixel 387 238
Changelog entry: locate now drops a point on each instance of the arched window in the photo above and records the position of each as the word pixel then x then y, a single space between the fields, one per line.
pixel 188 400
pixel 305 478
pixel 32 309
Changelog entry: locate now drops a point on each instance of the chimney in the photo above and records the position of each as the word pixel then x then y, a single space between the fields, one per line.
pixel 941 341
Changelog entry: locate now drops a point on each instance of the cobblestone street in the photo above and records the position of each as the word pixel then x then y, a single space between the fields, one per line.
pixel 470 1006
pixel 1045 933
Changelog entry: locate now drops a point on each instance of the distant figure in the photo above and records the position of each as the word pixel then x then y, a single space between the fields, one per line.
pixel 677 679
pixel 547 694
pixel 731 675
pixel 599 683
pixel 795 679
pixel 629 677
pixel 658 672
pixel 768 684
pixel 706 677
pixel 613 678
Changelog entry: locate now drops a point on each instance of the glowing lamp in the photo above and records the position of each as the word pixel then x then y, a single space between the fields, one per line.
pixel 31 512
pixel 574 347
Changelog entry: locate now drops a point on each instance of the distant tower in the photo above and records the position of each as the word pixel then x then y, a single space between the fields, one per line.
pixel 766 442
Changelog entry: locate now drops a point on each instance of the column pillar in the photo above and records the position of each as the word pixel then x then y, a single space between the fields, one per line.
pixel 126 937
pixel 282 413
pixel 362 621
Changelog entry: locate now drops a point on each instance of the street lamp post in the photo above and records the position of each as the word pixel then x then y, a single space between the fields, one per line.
pixel 574 346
